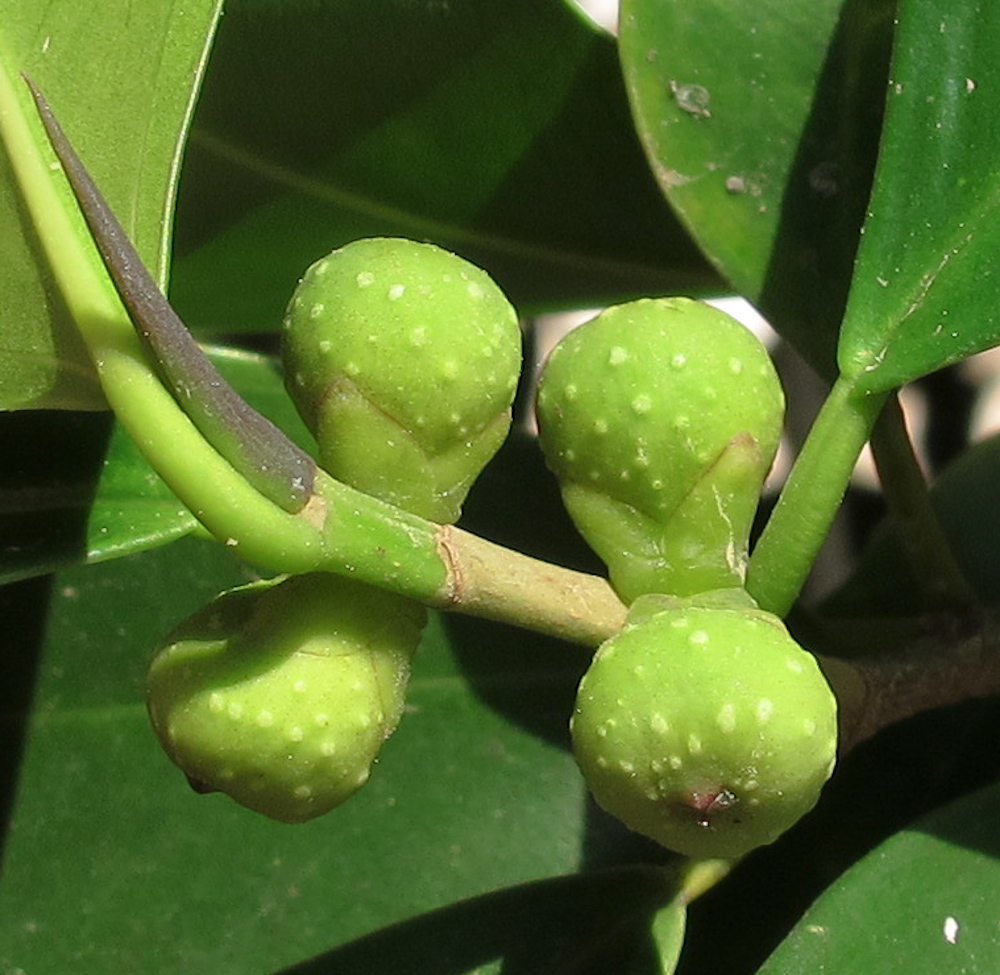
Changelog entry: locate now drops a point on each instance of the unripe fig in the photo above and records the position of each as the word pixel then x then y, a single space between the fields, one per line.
pixel 403 360
pixel 281 694
pixel 661 418
pixel 709 730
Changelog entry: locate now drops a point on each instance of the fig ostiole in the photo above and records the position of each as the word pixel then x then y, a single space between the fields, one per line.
pixel 704 727
pixel 281 693
pixel 403 359
pixel 660 419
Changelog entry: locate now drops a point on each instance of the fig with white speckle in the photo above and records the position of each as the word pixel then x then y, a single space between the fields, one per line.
pixel 661 418
pixel 709 730
pixel 403 360
pixel 281 694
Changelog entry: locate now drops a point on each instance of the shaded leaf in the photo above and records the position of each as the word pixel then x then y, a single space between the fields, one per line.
pixel 882 583
pixel 123 86
pixel 155 878
pixel 923 902
pixel 497 129
pixel 926 289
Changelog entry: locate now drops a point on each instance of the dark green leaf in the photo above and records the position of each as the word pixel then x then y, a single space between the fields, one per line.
pixel 122 83
pixel 927 291
pixel 923 902
pixel 468 797
pixel 761 124
pixel 498 129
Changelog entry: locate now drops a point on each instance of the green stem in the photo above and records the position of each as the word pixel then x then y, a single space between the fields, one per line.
pixel 339 529
pixel 937 574
pixel 785 553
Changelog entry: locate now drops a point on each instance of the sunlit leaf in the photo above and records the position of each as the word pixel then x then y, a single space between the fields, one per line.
pixel 122 81
pixel 927 291
pixel 760 123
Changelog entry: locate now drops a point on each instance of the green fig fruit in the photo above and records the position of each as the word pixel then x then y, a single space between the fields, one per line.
pixel 709 730
pixel 661 418
pixel 280 694
pixel 403 360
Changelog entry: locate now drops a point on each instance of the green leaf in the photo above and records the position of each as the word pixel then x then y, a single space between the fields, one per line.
pixel 926 289
pixel 68 493
pixel 923 902
pixel 124 88
pixel 498 129
pixel 475 792
pixel 760 124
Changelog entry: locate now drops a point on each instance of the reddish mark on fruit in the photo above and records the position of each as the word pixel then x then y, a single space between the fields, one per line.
pixel 707 804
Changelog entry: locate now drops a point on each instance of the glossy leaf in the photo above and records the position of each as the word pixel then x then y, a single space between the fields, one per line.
pixel 68 493
pixel 468 797
pixel 927 291
pixel 760 124
pixel 923 902
pixel 499 130
pixel 124 87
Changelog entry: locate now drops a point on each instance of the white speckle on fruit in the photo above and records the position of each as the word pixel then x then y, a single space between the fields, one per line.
pixel 676 762
pixel 694 744
pixel 627 767
pixel 642 404
pixel 682 422
pixel 325 346
pixel 765 708
pixel 227 774
pixel 679 361
pixel 363 776
pixel 449 369
pixel 475 290
pixel 317 310
pixel 216 702
pixel 265 719
pixel 602 761
pixel 726 719
pixel 396 292
pixel 656 484
pixel 698 639
pixel 951 929
pixel 809 727
pixel 299 686
pixel 658 724
pixel 302 792
pixel 680 623
pixel 364 719
pixel 600 426
pixel 352 368
pixel 735 366
pixel 795 666
pixel 320 268
pixel 295 733
pixel 617 355
pixel 656 766
pixel 328 748
pixel 235 710
pixel 569 456
pixel 418 337
pixel 641 459
pixel 750 785
pixel 321 720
